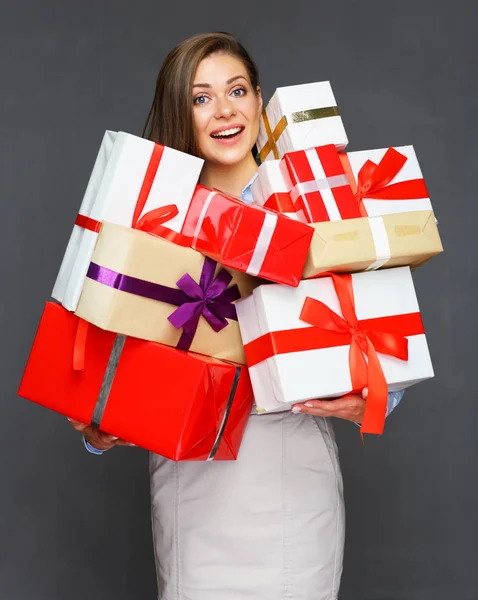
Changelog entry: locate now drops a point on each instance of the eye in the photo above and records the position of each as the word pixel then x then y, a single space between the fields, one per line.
pixel 200 99
pixel 238 92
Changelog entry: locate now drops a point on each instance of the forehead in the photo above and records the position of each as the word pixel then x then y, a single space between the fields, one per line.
pixel 218 68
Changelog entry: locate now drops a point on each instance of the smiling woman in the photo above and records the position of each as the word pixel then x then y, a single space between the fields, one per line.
pixel 269 525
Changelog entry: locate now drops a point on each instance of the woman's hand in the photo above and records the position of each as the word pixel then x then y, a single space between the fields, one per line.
pixel 350 407
pixel 98 439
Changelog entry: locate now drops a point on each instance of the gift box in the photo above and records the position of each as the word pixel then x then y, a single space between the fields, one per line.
pixel 371 243
pixel 247 238
pixel 270 190
pixel 300 117
pixel 143 286
pixel 335 335
pixel 137 390
pixel 135 183
pixel 386 181
pixel 318 185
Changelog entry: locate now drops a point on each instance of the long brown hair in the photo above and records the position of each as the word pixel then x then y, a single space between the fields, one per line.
pixel 170 119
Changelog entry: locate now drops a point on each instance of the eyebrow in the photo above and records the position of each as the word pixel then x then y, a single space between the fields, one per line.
pixel 208 85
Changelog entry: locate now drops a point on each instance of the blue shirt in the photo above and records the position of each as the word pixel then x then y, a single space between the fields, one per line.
pixel 393 397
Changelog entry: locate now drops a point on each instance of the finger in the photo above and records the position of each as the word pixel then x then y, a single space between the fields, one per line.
pixel 106 438
pixel 365 393
pixel 346 403
pixel 316 412
pixel 78 425
pixel 120 442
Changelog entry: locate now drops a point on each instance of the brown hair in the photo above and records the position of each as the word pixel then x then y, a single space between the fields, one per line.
pixel 170 119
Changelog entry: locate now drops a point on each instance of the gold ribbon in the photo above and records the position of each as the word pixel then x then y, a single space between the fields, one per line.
pixel 297 117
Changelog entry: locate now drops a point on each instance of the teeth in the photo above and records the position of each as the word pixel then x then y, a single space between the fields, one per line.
pixel 227 132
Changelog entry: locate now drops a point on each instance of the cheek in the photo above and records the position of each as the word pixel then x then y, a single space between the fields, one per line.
pixel 253 114
pixel 200 122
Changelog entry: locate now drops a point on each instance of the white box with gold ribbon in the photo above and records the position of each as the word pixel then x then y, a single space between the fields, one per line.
pixel 300 117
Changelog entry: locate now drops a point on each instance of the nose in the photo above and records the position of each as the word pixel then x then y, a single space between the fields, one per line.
pixel 225 107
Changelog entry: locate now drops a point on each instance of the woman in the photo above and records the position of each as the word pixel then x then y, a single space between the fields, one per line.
pixel 270 525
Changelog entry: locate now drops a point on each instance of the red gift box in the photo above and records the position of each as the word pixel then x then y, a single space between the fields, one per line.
pixel 181 405
pixel 247 238
pixel 318 184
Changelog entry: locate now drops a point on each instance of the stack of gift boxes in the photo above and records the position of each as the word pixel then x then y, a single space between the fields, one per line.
pixel 178 306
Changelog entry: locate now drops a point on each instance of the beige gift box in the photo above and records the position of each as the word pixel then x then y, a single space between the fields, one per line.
pixel 367 244
pixel 132 253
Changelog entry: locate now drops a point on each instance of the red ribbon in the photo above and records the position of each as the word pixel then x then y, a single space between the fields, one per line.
pixel 79 346
pixel 280 202
pixel 365 337
pixel 88 223
pixel 373 181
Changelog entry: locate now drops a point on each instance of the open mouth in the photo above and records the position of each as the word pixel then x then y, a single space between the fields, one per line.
pixel 228 134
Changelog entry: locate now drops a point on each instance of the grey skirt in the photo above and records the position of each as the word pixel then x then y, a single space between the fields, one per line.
pixel 269 526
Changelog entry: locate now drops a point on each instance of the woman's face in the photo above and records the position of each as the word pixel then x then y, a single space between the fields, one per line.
pixel 226 110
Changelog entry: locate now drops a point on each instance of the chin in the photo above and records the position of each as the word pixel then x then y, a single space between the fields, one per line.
pixel 229 157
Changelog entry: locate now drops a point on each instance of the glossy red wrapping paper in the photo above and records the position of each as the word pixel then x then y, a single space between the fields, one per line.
pixel 247 238
pixel 162 399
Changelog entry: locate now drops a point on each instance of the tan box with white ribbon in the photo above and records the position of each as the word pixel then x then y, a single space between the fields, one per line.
pixel 367 244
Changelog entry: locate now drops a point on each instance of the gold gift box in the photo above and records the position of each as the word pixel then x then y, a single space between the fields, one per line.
pixel 348 246
pixel 138 254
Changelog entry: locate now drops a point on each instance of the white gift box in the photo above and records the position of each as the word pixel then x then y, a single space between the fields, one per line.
pixel 282 379
pixel 300 117
pixel 270 189
pixel 376 207
pixel 125 166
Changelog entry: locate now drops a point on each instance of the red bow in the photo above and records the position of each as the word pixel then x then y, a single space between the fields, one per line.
pixel 373 181
pixel 365 341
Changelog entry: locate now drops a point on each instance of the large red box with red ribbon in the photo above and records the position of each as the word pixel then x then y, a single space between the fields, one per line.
pixel 138 390
pixel 332 336
pixel 247 238
pixel 135 183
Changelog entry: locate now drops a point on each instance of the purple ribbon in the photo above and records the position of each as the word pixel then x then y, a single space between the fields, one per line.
pixel 210 298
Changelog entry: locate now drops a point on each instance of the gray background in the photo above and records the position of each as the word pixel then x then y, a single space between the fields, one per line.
pixel 77 526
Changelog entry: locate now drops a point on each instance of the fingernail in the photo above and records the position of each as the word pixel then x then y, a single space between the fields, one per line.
pixel 364 393
pixel 112 438
pixel 71 420
pixel 296 409
pixel 132 445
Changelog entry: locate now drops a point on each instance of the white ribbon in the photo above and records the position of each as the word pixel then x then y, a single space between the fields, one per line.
pixel 321 184
pixel 263 243
pixel 202 214
pixel 380 239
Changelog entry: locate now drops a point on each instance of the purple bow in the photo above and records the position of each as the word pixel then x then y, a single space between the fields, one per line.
pixel 210 298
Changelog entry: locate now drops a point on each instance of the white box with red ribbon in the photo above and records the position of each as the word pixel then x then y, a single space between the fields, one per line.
pixel 134 183
pixel 386 181
pixel 332 336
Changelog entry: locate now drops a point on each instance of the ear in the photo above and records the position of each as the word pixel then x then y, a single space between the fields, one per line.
pixel 259 98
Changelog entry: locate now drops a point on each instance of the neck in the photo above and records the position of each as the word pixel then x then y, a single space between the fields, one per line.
pixel 230 179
